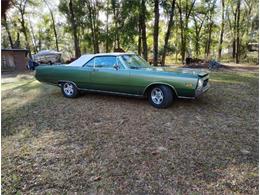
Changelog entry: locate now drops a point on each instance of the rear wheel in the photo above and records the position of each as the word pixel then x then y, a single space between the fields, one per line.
pixel 69 90
pixel 160 96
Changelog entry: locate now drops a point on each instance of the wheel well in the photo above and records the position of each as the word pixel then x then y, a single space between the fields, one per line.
pixel 61 82
pixel 157 84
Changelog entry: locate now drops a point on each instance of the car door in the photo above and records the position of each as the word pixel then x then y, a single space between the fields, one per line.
pixel 109 75
pixel 82 74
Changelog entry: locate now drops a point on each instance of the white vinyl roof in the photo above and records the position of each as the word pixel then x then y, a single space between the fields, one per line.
pixel 82 60
pixel 86 57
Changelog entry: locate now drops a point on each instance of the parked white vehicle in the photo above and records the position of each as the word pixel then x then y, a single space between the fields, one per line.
pixel 47 57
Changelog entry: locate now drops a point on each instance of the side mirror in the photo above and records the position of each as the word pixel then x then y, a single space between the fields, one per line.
pixel 116 66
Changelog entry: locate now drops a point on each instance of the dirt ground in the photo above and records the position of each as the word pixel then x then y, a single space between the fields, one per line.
pixel 103 144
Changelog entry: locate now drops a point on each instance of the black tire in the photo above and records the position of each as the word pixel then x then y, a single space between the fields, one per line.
pixel 164 91
pixel 69 90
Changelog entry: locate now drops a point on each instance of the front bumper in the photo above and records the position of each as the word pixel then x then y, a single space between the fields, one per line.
pixel 202 90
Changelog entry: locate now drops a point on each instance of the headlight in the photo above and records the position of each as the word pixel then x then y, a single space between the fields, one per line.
pixel 200 84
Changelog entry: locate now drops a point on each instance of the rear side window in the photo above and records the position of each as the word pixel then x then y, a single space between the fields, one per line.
pixel 105 61
pixel 90 63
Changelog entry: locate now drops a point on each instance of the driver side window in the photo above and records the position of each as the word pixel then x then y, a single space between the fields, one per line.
pixel 105 61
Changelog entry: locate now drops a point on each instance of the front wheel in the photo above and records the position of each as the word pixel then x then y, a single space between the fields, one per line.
pixel 160 96
pixel 69 90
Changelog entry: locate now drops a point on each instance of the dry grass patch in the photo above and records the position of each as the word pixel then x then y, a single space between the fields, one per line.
pixel 110 144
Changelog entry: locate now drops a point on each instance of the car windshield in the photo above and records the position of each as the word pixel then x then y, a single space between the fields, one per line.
pixel 134 61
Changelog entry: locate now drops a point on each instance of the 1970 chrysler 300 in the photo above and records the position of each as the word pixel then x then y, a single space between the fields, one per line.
pixel 125 74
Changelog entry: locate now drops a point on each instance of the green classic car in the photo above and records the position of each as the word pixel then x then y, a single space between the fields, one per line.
pixel 125 74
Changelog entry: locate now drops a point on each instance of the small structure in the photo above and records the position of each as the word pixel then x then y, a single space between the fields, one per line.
pixel 14 59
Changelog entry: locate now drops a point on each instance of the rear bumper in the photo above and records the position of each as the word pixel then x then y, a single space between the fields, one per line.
pixel 202 90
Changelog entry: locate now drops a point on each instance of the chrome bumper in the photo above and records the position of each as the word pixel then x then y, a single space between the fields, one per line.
pixel 202 90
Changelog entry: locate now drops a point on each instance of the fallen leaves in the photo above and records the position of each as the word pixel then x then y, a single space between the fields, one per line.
pixel 118 145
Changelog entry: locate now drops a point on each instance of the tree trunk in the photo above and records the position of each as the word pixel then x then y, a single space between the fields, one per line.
pixel 33 37
pixel 96 29
pixel 156 32
pixel 183 43
pixel 25 34
pixel 234 48
pixel 208 45
pixel 92 27
pixel 24 30
pixel 209 39
pixel 140 35
pixel 198 26
pixel 196 37
pixel 117 39
pixel 238 33
pixel 107 36
pixel 221 30
pixel 96 47
pixel 143 29
pixel 93 36
pixel 184 25
pixel 168 32
pixel 53 26
pixel 234 37
pixel 197 47
pixel 17 42
pixel 74 29
pixel 8 30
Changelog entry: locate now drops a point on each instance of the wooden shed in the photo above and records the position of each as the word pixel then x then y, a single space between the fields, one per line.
pixel 14 59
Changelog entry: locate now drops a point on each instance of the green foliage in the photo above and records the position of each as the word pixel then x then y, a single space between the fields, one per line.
pixel 105 25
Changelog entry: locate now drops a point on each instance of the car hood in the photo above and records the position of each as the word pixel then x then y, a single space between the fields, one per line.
pixel 188 71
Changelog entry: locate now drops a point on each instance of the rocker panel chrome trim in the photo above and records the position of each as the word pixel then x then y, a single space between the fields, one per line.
pixel 110 92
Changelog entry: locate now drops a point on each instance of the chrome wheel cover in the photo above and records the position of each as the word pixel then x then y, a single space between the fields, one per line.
pixel 157 96
pixel 68 89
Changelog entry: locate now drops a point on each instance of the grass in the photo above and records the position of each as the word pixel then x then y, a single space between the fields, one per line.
pixel 118 145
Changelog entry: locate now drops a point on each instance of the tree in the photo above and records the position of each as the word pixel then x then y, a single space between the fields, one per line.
pixel 100 26
pixel 211 7
pixel 6 25
pixel 156 32
pixel 53 24
pixel 222 28
pixel 115 8
pixel 184 12
pixel 143 28
pixel 139 35
pixel 198 16
pixel 33 37
pixel 20 5
pixel 92 14
pixel 168 32
pixel 238 31
pixel 68 8
pixel 107 32
pixel 74 29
